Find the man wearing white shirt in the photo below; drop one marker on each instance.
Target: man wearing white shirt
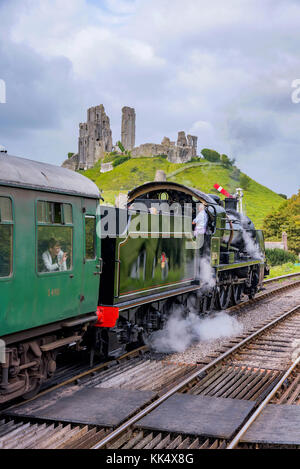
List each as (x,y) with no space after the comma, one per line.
(200,221)
(54,258)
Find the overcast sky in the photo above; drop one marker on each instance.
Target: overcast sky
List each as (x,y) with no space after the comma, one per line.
(221,70)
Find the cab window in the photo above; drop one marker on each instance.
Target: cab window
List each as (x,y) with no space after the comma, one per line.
(6,236)
(54,236)
(90,237)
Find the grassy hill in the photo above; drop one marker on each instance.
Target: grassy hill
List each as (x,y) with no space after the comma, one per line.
(258,200)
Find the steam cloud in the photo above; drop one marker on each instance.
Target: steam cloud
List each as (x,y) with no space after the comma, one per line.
(180,332)
(251,247)
(206,273)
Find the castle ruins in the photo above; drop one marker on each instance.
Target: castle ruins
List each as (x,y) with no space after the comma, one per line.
(95,140)
(128,128)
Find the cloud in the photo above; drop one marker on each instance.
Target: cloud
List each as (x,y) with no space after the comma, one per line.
(220,70)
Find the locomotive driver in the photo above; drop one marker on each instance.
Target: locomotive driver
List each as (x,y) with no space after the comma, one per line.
(200,221)
(54,258)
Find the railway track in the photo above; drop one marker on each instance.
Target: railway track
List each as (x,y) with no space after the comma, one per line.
(225,376)
(248,426)
(215,379)
(281,277)
(67,373)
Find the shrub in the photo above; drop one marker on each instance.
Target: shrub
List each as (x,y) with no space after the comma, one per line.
(227,162)
(210,155)
(120,160)
(70,154)
(279,257)
(195,159)
(121,146)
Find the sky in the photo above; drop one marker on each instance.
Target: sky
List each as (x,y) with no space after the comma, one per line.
(223,71)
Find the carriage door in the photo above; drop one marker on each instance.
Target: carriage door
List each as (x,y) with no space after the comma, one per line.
(91,258)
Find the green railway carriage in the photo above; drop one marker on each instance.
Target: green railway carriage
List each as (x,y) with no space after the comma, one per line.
(41,310)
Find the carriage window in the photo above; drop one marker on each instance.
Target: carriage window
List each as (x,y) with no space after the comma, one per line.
(68,218)
(90,233)
(54,213)
(6,236)
(55,238)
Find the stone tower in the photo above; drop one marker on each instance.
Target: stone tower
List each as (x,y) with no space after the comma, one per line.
(95,137)
(128,128)
(192,142)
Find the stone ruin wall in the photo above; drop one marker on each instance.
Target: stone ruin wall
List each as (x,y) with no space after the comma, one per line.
(183,151)
(95,139)
(128,128)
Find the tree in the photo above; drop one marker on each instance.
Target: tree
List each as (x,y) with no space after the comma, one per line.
(210,155)
(227,162)
(286,218)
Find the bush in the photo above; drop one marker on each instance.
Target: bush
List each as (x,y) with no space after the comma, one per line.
(110,156)
(279,257)
(121,146)
(210,155)
(120,160)
(70,154)
(227,162)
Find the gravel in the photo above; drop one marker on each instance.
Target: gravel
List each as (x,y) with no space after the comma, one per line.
(247,319)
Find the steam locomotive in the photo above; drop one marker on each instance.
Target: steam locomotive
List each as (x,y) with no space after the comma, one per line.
(125,270)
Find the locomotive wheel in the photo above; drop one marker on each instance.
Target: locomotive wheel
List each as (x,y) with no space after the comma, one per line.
(223,296)
(237,291)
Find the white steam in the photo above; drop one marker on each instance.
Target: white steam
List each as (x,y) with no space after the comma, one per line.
(180,332)
(206,273)
(252,248)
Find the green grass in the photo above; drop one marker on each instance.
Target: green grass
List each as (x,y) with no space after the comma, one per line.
(283,269)
(258,200)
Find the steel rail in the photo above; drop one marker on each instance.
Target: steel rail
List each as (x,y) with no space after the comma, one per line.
(144,348)
(187,380)
(81,375)
(263,296)
(281,277)
(258,411)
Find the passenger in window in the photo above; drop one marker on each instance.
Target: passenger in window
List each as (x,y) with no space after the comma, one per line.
(54,258)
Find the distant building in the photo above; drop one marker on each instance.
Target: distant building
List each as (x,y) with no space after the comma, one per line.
(278,244)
